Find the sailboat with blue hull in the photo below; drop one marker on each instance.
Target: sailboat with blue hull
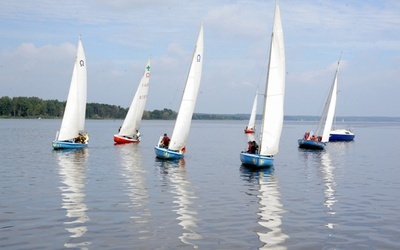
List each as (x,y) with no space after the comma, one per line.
(177,145)
(272,119)
(72,133)
(319,139)
(341,135)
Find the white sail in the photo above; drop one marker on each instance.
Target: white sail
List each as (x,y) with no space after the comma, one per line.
(274,92)
(185,113)
(134,116)
(252,120)
(328,114)
(75,109)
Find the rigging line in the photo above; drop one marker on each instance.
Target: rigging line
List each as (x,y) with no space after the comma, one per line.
(262,73)
(180,87)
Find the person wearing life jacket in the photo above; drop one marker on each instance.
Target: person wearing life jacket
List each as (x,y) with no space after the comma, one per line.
(165,141)
(255,145)
(251,149)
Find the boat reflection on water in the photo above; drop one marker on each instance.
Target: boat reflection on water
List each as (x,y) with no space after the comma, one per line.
(184,195)
(329,180)
(271,207)
(135,185)
(72,174)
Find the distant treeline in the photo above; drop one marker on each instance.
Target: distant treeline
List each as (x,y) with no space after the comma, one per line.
(34,107)
(31,107)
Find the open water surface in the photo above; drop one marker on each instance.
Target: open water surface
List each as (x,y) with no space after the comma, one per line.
(122,197)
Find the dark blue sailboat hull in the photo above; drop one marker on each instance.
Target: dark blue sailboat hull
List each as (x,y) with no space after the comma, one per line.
(341,135)
(310,144)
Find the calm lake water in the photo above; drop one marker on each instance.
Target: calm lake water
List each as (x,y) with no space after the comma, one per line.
(122,197)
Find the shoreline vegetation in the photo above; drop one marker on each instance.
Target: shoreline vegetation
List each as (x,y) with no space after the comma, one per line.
(34,108)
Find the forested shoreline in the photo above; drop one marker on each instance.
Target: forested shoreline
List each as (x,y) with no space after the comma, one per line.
(34,107)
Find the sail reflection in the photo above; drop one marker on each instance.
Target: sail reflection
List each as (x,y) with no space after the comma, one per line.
(330,184)
(270,209)
(72,173)
(184,196)
(134,179)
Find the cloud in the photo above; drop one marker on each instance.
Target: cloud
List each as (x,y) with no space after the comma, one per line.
(37,71)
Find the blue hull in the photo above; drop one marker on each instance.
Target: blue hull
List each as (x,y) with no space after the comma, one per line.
(256,160)
(167,154)
(341,137)
(68,145)
(309,144)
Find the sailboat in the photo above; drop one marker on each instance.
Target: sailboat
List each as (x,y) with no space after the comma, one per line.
(272,119)
(72,133)
(341,134)
(321,136)
(177,145)
(252,121)
(129,131)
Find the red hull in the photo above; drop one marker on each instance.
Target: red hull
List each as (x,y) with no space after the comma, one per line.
(121,140)
(249,131)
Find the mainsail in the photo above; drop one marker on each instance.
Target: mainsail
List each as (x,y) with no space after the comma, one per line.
(326,120)
(252,120)
(185,113)
(274,92)
(134,116)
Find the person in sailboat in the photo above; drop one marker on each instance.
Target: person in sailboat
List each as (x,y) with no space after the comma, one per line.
(255,145)
(251,149)
(83,137)
(137,135)
(247,129)
(164,141)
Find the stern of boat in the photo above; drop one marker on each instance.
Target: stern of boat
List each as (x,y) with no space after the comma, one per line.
(310,144)
(167,154)
(256,160)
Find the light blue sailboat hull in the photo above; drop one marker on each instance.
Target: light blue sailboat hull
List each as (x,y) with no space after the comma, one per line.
(68,145)
(309,144)
(256,160)
(165,153)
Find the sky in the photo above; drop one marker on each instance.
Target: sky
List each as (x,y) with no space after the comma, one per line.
(39,39)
